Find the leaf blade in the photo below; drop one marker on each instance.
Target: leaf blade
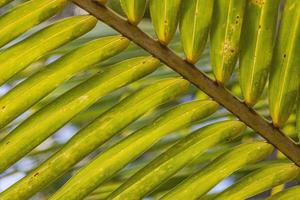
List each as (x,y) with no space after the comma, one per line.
(164,18)
(220,168)
(171,161)
(25,16)
(111,161)
(46,121)
(285,74)
(134,10)
(260,180)
(290,194)
(225,36)
(88,138)
(19,56)
(194,24)
(42,83)
(257,47)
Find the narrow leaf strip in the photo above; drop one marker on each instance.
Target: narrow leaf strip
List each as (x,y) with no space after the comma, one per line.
(225,36)
(277,189)
(19,56)
(115,158)
(164,15)
(285,73)
(298,115)
(95,134)
(25,16)
(177,157)
(200,183)
(42,83)
(260,181)
(53,116)
(194,25)
(289,194)
(4,2)
(257,47)
(134,9)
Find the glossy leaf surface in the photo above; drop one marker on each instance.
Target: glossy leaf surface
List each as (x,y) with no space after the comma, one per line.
(285,73)
(115,158)
(257,47)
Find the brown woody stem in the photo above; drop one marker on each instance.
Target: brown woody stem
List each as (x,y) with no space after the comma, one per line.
(188,71)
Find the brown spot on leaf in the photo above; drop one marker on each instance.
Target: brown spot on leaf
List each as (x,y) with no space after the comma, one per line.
(258,2)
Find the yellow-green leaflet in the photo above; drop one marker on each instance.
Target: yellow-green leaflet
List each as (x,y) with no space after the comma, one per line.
(164,16)
(289,194)
(225,35)
(53,116)
(88,139)
(257,42)
(115,158)
(200,183)
(134,9)
(4,2)
(259,181)
(285,73)
(298,115)
(19,56)
(194,23)
(186,150)
(25,16)
(16,101)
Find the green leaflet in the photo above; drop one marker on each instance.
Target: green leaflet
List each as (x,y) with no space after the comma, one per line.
(95,134)
(257,47)
(134,9)
(198,184)
(105,189)
(25,16)
(53,116)
(115,158)
(175,158)
(19,56)
(285,73)
(259,181)
(289,194)
(225,35)
(298,116)
(42,83)
(277,188)
(164,15)
(194,25)
(4,2)
(101,196)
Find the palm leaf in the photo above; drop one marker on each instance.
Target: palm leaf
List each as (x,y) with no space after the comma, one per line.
(98,118)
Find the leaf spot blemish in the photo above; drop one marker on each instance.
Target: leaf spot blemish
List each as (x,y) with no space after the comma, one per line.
(258,2)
